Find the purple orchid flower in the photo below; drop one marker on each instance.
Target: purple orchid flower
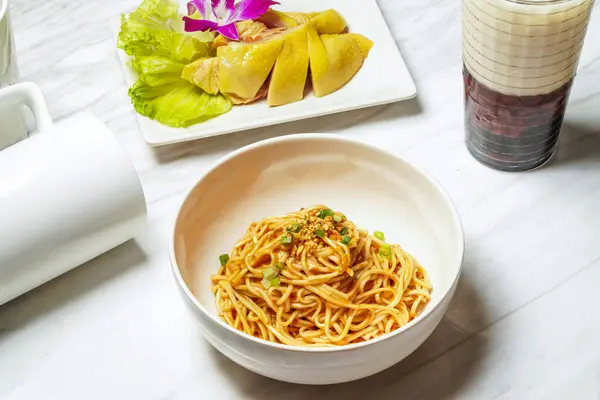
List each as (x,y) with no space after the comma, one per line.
(221,15)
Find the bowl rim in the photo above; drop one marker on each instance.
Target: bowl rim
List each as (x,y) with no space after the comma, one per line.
(460,243)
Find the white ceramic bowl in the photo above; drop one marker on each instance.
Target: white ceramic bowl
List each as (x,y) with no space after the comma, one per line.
(377,190)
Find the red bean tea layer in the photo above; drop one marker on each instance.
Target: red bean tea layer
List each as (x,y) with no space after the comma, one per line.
(513,133)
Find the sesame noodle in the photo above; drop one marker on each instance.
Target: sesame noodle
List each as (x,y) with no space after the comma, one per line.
(312,278)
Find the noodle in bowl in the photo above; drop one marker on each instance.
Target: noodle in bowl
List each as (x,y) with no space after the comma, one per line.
(312,278)
(318,316)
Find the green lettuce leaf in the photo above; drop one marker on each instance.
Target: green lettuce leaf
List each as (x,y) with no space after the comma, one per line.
(177,105)
(154,37)
(161,94)
(156,71)
(155,28)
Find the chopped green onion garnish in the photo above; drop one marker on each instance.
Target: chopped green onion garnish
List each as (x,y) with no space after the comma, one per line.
(385,251)
(379,235)
(337,218)
(344,231)
(270,273)
(266,283)
(325,213)
(224,258)
(275,282)
(346,240)
(279,265)
(296,227)
(319,233)
(287,239)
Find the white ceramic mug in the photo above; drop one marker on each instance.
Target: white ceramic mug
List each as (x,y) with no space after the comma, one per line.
(67,195)
(12,122)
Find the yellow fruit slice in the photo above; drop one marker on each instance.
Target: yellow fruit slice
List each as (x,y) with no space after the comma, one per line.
(326,22)
(363,43)
(203,73)
(301,18)
(244,68)
(329,22)
(291,69)
(334,60)
(278,19)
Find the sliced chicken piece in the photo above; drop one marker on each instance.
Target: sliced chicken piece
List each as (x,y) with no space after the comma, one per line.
(248,30)
(262,93)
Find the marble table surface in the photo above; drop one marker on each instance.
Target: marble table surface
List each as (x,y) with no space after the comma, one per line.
(524,323)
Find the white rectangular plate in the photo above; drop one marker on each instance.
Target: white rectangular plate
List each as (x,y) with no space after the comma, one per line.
(383,79)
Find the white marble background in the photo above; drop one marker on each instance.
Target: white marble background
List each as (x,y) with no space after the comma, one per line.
(524,323)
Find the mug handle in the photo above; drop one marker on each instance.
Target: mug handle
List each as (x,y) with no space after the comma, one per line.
(30,95)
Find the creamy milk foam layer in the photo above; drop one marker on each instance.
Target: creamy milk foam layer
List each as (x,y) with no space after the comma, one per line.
(523,48)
